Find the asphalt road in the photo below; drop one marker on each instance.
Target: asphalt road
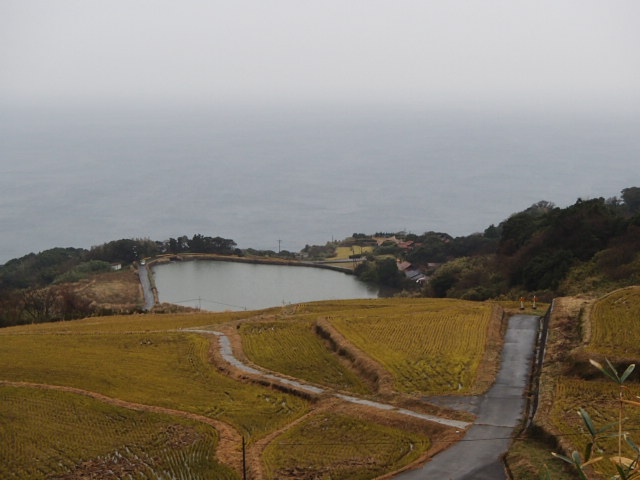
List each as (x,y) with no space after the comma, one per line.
(149,300)
(478,456)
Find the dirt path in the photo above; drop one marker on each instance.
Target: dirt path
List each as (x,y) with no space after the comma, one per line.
(228,451)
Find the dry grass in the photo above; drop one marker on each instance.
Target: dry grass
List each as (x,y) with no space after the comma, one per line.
(343,253)
(113,289)
(600,399)
(430,346)
(512,307)
(52,434)
(293,348)
(613,324)
(529,458)
(165,369)
(336,445)
(569,383)
(147,360)
(126,323)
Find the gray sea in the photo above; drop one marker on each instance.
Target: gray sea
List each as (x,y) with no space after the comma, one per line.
(293,176)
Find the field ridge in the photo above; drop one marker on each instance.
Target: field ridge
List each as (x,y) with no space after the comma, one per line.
(173,364)
(443,420)
(362,363)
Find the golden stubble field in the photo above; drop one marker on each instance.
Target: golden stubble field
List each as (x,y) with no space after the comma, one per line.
(141,397)
(581,329)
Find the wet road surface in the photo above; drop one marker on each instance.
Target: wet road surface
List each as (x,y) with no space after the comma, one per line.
(478,456)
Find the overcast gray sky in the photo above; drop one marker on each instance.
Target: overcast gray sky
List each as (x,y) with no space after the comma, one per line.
(570,52)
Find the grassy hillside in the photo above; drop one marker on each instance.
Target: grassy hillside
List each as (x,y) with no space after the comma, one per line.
(613,327)
(165,369)
(50,433)
(292,455)
(591,246)
(582,329)
(292,347)
(430,346)
(173,408)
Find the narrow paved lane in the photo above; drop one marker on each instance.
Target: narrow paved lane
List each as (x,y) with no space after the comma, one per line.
(227,354)
(149,300)
(478,456)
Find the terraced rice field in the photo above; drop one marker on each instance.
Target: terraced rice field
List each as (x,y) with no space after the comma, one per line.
(432,346)
(165,369)
(147,362)
(49,434)
(293,348)
(614,324)
(364,450)
(580,330)
(126,323)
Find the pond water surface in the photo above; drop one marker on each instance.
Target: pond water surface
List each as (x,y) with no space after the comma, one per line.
(220,285)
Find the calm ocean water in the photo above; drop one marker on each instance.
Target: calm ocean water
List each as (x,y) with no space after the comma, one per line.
(80,178)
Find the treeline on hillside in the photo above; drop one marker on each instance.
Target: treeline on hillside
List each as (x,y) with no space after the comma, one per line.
(592,245)
(32,288)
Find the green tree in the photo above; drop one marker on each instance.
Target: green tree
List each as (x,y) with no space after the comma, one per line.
(547,270)
(631,198)
(517,231)
(388,273)
(441,283)
(383,271)
(432,248)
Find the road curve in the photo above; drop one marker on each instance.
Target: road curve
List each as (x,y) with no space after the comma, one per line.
(227,354)
(478,456)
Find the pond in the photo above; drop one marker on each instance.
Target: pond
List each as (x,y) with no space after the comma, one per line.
(220,285)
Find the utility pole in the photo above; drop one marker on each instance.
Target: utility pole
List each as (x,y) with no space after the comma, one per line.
(279,245)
